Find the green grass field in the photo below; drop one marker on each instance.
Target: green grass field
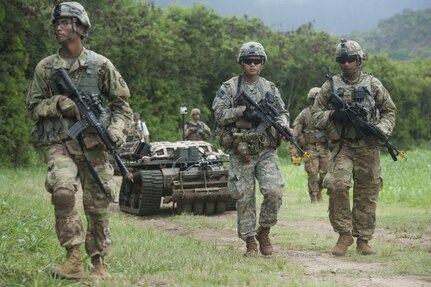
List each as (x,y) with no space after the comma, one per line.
(204,251)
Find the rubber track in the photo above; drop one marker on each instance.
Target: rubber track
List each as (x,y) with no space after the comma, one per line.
(151,191)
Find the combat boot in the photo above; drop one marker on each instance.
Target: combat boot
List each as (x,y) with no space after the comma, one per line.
(98,270)
(344,241)
(251,247)
(265,246)
(72,267)
(363,248)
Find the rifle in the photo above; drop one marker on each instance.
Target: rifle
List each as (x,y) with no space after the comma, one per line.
(357,117)
(195,127)
(90,110)
(268,115)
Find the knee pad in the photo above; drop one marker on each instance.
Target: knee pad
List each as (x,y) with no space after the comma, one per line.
(63,198)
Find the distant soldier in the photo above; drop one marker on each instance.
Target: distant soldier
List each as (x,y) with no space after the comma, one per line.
(196,130)
(352,157)
(252,156)
(315,142)
(138,129)
(83,161)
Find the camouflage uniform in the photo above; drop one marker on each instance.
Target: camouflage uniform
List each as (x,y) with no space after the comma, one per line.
(196,131)
(354,159)
(260,160)
(67,168)
(315,142)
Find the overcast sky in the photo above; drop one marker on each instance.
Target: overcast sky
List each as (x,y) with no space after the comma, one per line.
(337,17)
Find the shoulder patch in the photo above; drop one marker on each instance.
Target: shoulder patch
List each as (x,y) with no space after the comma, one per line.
(221,93)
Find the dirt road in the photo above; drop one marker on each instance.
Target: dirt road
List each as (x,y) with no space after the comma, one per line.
(318,267)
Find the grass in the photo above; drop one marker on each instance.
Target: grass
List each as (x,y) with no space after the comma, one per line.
(150,257)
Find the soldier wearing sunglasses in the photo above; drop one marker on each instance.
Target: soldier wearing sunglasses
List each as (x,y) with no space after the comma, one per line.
(352,157)
(252,156)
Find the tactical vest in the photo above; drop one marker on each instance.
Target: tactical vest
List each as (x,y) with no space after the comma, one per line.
(242,132)
(310,134)
(358,95)
(50,130)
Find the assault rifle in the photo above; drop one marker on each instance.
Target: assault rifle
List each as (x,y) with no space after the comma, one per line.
(357,116)
(90,110)
(268,115)
(195,127)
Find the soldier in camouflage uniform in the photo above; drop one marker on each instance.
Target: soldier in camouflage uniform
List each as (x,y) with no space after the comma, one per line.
(351,157)
(251,156)
(54,114)
(315,142)
(196,130)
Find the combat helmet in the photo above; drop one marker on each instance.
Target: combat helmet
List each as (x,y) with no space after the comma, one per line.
(347,48)
(196,111)
(71,9)
(312,94)
(252,49)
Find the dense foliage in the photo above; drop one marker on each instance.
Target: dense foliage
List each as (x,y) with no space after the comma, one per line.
(182,55)
(404,36)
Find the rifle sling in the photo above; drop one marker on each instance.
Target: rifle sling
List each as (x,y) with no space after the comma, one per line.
(90,167)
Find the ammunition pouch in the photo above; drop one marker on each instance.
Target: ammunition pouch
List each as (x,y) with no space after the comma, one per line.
(247,143)
(242,123)
(225,137)
(315,137)
(50,130)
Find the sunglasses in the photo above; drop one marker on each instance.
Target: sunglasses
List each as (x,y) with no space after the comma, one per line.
(349,59)
(252,61)
(62,23)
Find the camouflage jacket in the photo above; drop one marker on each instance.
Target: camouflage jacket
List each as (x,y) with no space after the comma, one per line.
(384,116)
(196,131)
(42,98)
(305,133)
(224,106)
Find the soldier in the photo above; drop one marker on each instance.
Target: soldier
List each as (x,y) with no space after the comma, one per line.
(138,129)
(196,130)
(315,142)
(351,156)
(69,160)
(251,156)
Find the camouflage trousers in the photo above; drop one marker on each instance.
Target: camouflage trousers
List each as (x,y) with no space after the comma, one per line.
(67,172)
(316,167)
(361,163)
(265,168)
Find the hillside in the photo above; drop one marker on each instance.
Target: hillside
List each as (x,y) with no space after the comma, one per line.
(404,36)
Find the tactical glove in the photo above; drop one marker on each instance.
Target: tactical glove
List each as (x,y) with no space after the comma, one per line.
(340,116)
(68,107)
(117,136)
(251,115)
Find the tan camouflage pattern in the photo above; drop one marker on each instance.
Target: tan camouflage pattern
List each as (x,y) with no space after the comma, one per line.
(225,110)
(250,49)
(315,142)
(193,133)
(357,161)
(67,169)
(42,102)
(71,9)
(260,162)
(352,48)
(265,167)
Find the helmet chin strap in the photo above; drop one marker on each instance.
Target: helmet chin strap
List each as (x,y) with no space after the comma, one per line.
(74,30)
